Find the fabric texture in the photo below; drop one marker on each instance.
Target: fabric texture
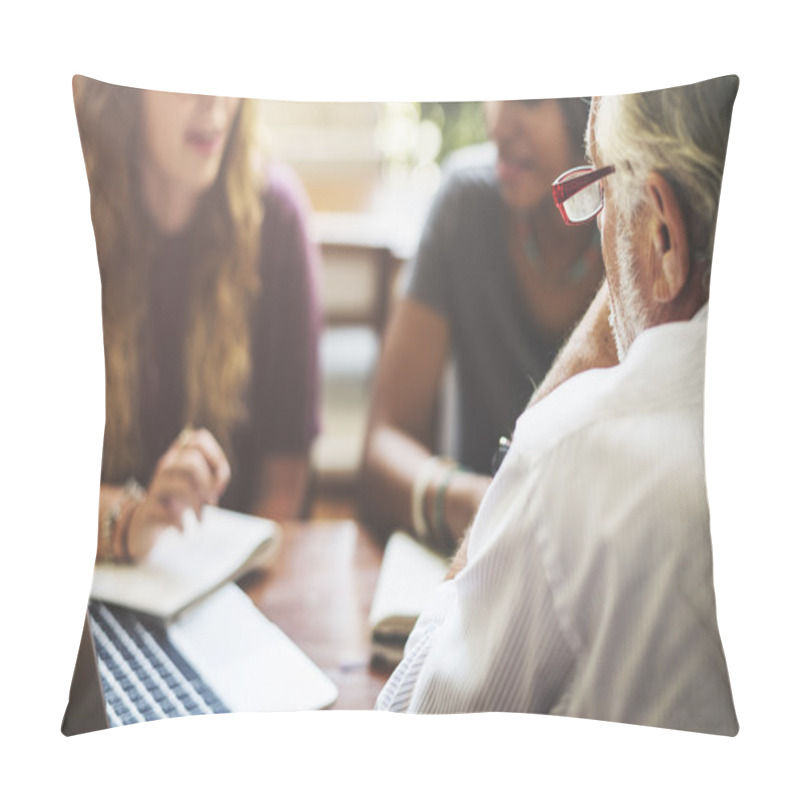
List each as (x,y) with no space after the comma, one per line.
(464,271)
(282,400)
(589,590)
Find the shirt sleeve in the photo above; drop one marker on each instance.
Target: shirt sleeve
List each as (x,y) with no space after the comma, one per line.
(286,373)
(493,639)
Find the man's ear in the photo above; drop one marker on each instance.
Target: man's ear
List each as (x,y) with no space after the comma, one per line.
(670,242)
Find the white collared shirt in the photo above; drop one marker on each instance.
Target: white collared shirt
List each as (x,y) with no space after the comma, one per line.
(588,590)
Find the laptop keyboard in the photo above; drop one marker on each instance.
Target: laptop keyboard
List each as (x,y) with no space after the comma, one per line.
(143,676)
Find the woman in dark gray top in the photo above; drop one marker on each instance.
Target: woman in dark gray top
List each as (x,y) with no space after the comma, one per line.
(497,284)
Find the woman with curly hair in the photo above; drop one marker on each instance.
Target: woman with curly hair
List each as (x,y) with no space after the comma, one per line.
(210,313)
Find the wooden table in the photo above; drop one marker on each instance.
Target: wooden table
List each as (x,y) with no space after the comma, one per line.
(319,592)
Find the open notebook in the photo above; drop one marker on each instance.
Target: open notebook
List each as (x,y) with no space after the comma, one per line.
(184,567)
(409,576)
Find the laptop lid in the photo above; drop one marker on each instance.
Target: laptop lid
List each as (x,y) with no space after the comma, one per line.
(245,659)
(86,710)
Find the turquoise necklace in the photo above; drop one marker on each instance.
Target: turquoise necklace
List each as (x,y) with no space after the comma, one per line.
(577,271)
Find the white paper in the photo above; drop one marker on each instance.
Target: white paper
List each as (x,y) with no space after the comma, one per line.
(184,566)
(409,576)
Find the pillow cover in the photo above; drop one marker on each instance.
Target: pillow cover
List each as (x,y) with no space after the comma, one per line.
(586,587)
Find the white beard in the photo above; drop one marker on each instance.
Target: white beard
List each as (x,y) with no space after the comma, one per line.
(627,316)
(612,321)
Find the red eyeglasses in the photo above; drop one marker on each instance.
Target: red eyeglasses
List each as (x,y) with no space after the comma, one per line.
(578,194)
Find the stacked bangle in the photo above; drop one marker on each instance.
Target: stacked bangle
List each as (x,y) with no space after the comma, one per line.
(107,528)
(422,481)
(436,471)
(441,531)
(121,511)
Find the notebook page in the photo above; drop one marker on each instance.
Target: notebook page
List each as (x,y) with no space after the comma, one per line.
(184,566)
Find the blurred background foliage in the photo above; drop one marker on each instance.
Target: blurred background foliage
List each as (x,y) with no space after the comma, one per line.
(415,138)
(353,155)
(461,124)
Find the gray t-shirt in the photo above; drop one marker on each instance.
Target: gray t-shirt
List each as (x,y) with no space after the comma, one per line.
(464,271)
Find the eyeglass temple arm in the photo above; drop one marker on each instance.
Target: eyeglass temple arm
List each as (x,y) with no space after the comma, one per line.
(571,186)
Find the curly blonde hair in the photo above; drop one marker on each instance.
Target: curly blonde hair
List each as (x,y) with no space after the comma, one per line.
(225,233)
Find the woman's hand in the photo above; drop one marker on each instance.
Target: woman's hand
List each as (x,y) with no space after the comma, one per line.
(192,473)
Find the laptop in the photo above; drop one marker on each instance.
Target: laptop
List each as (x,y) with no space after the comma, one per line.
(221,655)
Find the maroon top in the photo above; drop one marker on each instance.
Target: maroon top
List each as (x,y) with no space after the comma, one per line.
(283,396)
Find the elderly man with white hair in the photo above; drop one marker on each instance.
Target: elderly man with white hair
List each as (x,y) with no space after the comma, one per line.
(585,586)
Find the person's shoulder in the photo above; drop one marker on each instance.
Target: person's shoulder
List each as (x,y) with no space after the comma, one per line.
(661,376)
(285,227)
(601,476)
(471,157)
(471,169)
(599,430)
(469,190)
(570,409)
(611,432)
(282,190)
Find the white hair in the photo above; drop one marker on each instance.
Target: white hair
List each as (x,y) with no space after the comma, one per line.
(681,133)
